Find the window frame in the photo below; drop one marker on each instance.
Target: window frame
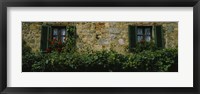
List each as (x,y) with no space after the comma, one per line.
(155,30)
(59,35)
(143,31)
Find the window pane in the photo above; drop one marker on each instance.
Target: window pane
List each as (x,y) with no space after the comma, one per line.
(139,38)
(139,31)
(63,39)
(147,38)
(147,31)
(55,31)
(63,31)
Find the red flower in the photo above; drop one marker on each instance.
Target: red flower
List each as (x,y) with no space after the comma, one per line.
(59,43)
(52,42)
(48,50)
(142,41)
(54,39)
(59,49)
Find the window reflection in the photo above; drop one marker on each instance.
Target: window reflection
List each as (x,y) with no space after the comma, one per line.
(55,31)
(148,38)
(147,31)
(139,38)
(143,33)
(139,31)
(63,39)
(63,31)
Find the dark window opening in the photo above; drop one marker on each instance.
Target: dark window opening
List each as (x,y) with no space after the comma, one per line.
(139,33)
(60,33)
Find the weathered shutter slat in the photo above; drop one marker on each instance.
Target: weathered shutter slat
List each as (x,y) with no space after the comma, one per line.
(50,33)
(44,38)
(159,36)
(132,37)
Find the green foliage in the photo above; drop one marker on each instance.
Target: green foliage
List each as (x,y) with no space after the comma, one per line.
(25,48)
(55,45)
(71,39)
(62,57)
(161,60)
(164,60)
(28,58)
(67,46)
(144,46)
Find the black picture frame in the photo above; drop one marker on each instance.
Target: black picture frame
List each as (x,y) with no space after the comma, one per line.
(101,3)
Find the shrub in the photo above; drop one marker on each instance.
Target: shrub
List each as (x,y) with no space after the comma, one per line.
(146,59)
(158,61)
(102,61)
(55,45)
(29,58)
(144,46)
(25,49)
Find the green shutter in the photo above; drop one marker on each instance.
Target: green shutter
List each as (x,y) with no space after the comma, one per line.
(50,33)
(132,37)
(159,36)
(45,35)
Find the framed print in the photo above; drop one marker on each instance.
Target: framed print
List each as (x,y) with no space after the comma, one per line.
(129,46)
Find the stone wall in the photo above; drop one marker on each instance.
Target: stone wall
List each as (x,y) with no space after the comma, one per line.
(99,35)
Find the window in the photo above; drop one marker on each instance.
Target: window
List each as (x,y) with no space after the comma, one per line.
(138,33)
(144,33)
(55,32)
(59,33)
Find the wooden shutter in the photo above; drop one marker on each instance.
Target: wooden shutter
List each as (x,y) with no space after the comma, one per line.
(50,34)
(159,36)
(45,35)
(132,37)
(67,31)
